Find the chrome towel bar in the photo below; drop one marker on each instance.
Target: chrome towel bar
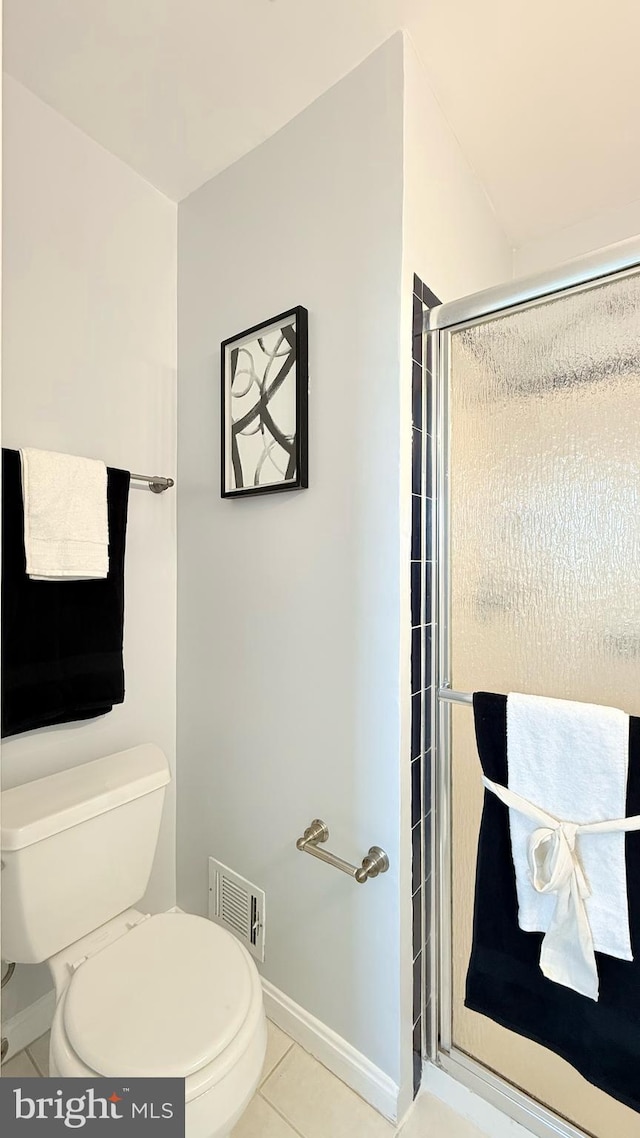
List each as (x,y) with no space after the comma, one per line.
(156,482)
(450,695)
(375,862)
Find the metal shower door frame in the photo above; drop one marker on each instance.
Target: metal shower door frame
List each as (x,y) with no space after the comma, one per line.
(439,325)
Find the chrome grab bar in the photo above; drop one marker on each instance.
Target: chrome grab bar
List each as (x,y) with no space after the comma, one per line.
(373,863)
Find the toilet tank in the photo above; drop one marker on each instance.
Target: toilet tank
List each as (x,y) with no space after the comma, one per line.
(77,849)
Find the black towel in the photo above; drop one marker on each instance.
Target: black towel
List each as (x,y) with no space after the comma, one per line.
(504,982)
(61,640)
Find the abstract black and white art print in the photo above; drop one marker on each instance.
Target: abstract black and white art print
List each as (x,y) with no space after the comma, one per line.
(264,407)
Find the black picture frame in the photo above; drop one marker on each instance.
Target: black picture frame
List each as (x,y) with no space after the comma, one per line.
(241,468)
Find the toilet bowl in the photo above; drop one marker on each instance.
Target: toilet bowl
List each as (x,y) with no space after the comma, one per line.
(170,995)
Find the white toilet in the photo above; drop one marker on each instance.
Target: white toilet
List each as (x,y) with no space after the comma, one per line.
(136,995)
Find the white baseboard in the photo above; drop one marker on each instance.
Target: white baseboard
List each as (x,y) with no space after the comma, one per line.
(28,1025)
(469,1105)
(330,1049)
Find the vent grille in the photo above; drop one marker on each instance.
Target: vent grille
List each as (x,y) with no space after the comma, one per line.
(238,906)
(235,906)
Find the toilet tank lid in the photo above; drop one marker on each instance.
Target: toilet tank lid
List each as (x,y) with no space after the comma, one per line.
(46,806)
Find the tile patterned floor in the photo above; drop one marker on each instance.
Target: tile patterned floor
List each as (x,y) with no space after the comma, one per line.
(299,1098)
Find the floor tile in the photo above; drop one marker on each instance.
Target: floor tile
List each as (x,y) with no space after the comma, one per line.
(431,1118)
(39,1052)
(317,1104)
(277,1046)
(261,1121)
(20,1067)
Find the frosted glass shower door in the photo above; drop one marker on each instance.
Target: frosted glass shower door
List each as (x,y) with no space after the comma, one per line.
(544,413)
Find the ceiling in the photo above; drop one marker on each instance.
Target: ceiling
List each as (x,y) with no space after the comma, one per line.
(544,98)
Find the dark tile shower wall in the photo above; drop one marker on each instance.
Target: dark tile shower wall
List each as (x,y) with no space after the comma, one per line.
(421,576)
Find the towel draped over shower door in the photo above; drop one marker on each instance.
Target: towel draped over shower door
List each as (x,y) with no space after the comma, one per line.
(504,981)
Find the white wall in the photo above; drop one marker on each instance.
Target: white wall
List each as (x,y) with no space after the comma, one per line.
(89,367)
(293,685)
(452,237)
(288,648)
(565,244)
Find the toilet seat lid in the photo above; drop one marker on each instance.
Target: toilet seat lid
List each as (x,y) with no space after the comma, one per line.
(167,998)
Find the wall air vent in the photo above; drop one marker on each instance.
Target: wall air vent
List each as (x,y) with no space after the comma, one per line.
(238,906)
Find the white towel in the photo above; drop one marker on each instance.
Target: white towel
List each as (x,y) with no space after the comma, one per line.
(567,951)
(66,531)
(571,760)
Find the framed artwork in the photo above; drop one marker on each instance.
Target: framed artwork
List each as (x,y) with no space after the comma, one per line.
(265,379)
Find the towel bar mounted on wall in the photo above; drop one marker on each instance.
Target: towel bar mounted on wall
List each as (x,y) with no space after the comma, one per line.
(375,862)
(156,482)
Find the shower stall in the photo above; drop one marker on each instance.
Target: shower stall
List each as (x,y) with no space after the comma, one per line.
(536,534)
